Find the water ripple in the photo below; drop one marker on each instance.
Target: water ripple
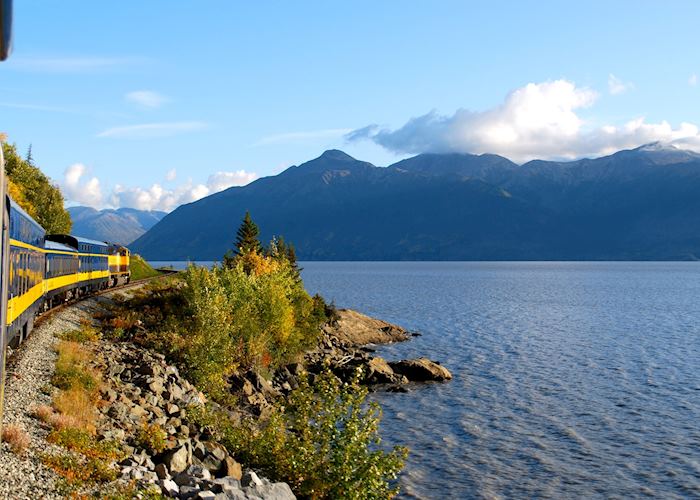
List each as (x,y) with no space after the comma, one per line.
(570,379)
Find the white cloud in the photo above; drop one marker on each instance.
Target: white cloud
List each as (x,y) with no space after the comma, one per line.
(296,137)
(146,98)
(617,86)
(171,175)
(539,120)
(224,180)
(151,130)
(157,197)
(693,80)
(79,189)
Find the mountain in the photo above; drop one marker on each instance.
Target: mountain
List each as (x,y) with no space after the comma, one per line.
(122,225)
(638,204)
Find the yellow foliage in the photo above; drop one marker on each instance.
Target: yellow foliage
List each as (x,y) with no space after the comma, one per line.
(257,264)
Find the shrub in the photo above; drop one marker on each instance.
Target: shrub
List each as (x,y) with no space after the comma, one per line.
(151,437)
(324,443)
(44,413)
(215,322)
(16,438)
(86,333)
(77,470)
(81,441)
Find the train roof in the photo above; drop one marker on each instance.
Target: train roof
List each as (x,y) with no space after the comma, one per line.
(80,239)
(54,245)
(22,212)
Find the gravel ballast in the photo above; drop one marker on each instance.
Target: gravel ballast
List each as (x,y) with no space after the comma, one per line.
(26,387)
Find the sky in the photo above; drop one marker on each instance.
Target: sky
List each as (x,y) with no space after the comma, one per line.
(153,104)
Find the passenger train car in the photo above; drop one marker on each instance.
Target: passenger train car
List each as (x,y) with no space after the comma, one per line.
(48,269)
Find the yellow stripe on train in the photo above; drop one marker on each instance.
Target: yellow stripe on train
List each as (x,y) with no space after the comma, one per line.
(17,305)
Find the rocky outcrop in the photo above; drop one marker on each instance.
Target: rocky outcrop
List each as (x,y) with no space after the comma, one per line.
(355,329)
(421,370)
(140,390)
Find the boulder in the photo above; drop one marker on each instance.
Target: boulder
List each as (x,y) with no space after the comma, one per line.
(355,328)
(380,372)
(177,460)
(273,491)
(421,370)
(169,487)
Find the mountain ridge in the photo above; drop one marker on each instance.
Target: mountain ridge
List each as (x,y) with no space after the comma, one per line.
(455,207)
(121,225)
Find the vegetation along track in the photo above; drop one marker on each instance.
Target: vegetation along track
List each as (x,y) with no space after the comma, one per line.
(23,475)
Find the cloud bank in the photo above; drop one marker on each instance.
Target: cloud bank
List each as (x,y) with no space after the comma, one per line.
(80,188)
(539,120)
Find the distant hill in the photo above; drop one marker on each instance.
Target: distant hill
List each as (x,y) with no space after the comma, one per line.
(639,204)
(122,225)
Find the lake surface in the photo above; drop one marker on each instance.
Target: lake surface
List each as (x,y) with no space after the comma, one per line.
(570,379)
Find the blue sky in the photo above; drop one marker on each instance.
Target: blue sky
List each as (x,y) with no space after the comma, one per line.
(152,104)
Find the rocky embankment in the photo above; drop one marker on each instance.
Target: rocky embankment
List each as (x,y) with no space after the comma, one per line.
(143,390)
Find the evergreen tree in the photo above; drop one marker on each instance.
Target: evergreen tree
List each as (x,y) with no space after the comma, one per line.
(29,159)
(247,237)
(292,258)
(246,242)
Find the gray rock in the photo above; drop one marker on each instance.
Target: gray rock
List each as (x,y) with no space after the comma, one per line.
(206,495)
(177,461)
(216,450)
(189,491)
(273,491)
(250,478)
(169,487)
(199,472)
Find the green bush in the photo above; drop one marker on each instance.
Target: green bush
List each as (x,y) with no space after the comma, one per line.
(152,438)
(215,322)
(324,442)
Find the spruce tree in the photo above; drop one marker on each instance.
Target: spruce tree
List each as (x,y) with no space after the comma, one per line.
(247,237)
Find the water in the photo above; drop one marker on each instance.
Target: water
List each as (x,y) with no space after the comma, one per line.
(570,379)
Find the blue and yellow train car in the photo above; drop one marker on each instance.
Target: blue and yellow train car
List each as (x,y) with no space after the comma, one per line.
(93,265)
(26,273)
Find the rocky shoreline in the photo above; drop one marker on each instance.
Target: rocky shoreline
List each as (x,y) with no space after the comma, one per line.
(141,391)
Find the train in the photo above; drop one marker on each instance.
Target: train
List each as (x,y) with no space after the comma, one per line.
(49,269)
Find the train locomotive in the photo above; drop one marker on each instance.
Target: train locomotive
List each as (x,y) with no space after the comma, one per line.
(49,269)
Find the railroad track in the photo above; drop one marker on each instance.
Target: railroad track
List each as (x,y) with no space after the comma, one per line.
(41,318)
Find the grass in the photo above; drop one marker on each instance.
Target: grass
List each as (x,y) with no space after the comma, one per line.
(73,414)
(86,333)
(141,269)
(16,438)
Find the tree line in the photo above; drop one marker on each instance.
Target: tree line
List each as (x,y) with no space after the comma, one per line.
(34,191)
